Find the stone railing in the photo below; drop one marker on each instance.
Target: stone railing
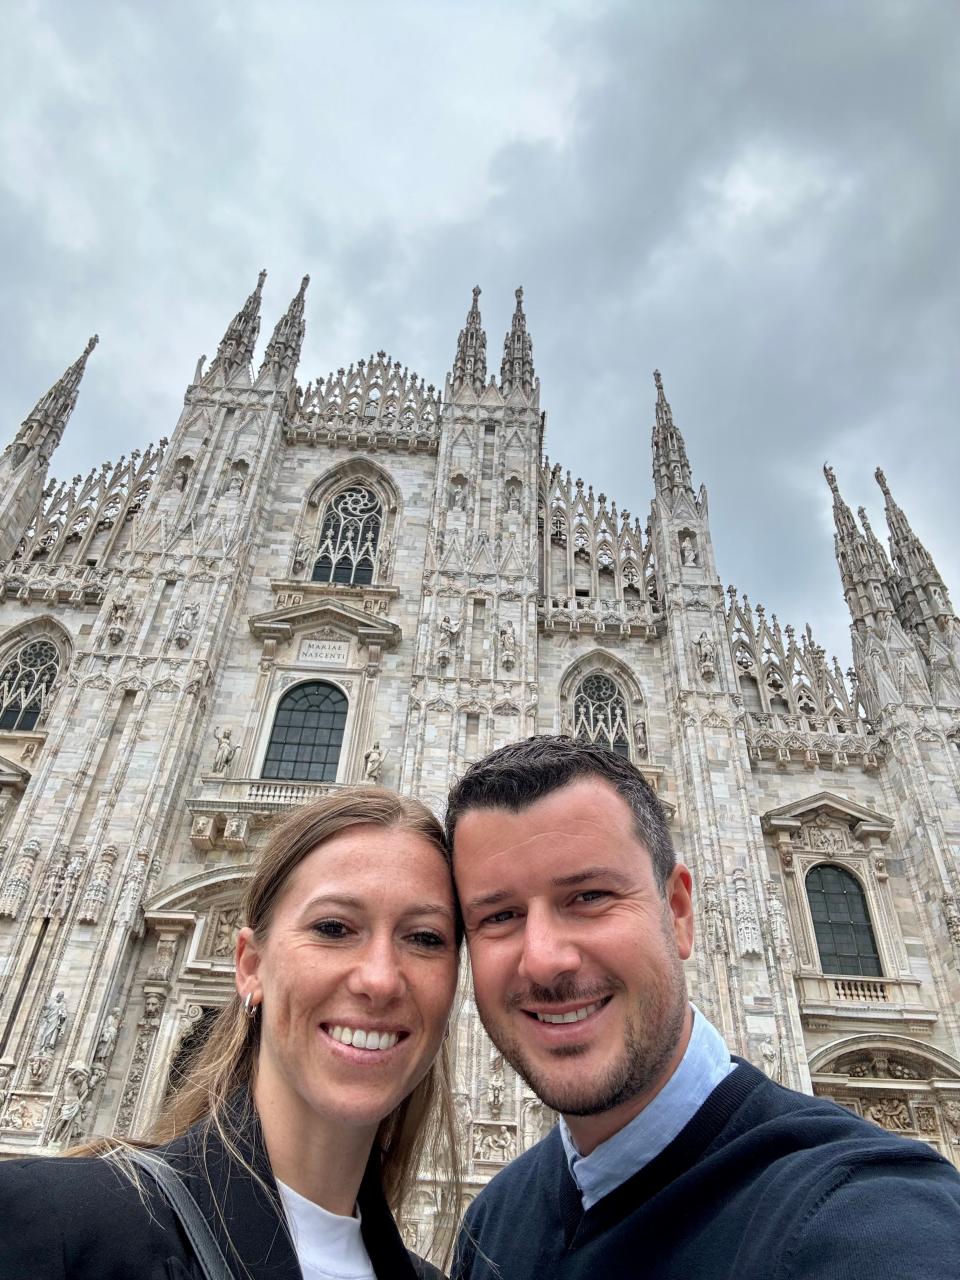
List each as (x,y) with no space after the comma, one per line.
(590,613)
(829,998)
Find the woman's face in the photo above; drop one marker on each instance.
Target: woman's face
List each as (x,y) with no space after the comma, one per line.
(354,979)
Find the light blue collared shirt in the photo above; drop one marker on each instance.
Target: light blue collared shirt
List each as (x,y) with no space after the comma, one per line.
(705,1062)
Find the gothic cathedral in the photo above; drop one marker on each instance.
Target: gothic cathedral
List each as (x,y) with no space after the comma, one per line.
(370,580)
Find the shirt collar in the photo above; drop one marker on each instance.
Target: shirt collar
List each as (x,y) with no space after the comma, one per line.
(705,1062)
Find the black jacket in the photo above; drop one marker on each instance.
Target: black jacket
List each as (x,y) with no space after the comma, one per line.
(83,1219)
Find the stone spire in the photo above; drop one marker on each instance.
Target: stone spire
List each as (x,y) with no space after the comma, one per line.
(671,469)
(470,366)
(236,348)
(43,427)
(864,568)
(919,584)
(516,368)
(283,349)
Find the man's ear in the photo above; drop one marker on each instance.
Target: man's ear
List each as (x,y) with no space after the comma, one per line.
(679,895)
(247,964)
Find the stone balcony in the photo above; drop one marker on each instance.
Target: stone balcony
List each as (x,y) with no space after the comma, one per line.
(230,808)
(828,1001)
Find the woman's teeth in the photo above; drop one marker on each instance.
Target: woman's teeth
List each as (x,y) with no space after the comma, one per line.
(364,1039)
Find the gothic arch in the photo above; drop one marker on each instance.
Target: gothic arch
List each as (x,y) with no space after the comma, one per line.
(34,657)
(385,511)
(943,1066)
(599,662)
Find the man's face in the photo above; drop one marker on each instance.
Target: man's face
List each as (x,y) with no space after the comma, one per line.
(565,921)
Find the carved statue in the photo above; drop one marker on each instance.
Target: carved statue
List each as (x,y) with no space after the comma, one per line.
(458,497)
(496,1084)
(706,656)
(771,1059)
(52,1019)
(186,625)
(229,924)
(373,763)
(508,645)
(688,551)
(513,500)
(225,752)
(777,916)
(236,484)
(69,1122)
(449,631)
(640,738)
(119,613)
(890,1113)
(107,1040)
(5,1069)
(180,476)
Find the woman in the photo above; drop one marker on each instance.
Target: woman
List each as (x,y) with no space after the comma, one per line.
(303,1120)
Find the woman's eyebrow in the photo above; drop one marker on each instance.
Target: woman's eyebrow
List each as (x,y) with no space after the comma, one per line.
(357,904)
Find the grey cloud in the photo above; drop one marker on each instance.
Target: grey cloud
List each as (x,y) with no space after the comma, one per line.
(758,199)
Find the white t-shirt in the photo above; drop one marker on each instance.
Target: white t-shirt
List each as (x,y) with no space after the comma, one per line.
(329,1246)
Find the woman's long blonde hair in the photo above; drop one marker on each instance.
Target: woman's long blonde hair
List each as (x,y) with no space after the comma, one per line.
(422,1130)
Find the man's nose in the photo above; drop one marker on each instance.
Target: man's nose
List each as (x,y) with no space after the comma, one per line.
(549,951)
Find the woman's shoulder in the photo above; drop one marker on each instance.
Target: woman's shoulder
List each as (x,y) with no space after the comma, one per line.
(54,1208)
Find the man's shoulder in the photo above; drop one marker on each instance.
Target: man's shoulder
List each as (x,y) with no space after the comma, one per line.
(787,1122)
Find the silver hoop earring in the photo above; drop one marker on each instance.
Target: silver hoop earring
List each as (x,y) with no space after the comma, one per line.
(249,1008)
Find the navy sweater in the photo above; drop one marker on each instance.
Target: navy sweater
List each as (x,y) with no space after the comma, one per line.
(762,1184)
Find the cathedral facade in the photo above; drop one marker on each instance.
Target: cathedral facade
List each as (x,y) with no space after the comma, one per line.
(369,579)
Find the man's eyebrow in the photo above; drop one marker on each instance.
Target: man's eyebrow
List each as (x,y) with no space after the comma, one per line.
(590,873)
(610,874)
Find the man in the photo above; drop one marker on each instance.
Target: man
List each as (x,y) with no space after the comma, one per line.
(670,1158)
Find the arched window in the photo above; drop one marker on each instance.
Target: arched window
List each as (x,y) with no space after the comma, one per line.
(25,683)
(841,922)
(349,537)
(600,714)
(307,734)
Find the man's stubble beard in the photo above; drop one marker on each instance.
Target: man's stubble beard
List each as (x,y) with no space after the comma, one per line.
(653,1030)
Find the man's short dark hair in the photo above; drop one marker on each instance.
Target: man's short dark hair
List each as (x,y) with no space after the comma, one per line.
(517,775)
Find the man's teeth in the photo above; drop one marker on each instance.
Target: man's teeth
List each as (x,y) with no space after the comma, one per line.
(575,1015)
(364,1039)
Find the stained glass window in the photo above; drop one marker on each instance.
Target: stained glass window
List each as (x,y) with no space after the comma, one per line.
(25,683)
(600,714)
(349,537)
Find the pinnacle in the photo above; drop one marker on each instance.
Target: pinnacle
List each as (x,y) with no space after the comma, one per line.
(831,477)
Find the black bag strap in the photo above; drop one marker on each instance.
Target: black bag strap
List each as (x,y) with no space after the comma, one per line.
(173,1189)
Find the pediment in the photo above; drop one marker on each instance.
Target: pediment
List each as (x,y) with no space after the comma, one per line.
(13,774)
(284,624)
(830,807)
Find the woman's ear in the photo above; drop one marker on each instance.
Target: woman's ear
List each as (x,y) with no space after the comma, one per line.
(247,963)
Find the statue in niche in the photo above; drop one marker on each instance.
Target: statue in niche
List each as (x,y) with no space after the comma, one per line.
(771,1059)
(52,1019)
(688,551)
(186,625)
(513,500)
(449,631)
(5,1069)
(373,763)
(458,496)
(181,475)
(508,645)
(495,1084)
(119,617)
(229,924)
(69,1122)
(225,752)
(107,1040)
(640,738)
(235,487)
(706,656)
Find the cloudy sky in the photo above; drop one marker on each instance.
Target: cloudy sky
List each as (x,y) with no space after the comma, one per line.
(759,198)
